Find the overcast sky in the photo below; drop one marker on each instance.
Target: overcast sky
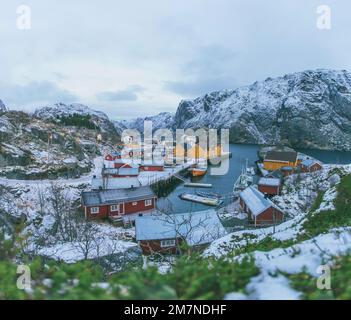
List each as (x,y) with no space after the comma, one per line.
(135,57)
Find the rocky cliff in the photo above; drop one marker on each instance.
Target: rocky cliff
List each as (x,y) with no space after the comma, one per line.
(310,109)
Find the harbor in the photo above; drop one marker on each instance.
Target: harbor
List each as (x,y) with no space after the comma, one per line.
(192,187)
(242,156)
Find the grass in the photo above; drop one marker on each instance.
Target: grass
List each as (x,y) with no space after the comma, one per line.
(267,244)
(322,222)
(340,282)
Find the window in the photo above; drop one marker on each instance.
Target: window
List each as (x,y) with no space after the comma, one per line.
(94,210)
(134,203)
(167,243)
(114,207)
(148,203)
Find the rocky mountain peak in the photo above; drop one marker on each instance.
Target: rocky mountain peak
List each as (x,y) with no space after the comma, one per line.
(310,109)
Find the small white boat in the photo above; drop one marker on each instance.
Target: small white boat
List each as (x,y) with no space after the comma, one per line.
(199,199)
(197,185)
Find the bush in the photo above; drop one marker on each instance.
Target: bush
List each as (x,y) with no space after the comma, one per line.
(340,217)
(192,278)
(340,282)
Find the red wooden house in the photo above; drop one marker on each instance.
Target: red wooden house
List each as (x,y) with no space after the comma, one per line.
(259,208)
(113,156)
(165,233)
(151,167)
(118,163)
(125,171)
(287,171)
(270,186)
(118,203)
(311,165)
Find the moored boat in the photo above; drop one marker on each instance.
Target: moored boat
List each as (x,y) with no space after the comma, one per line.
(198,172)
(209,194)
(199,199)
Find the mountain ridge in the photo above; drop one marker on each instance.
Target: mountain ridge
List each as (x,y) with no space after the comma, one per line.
(307,109)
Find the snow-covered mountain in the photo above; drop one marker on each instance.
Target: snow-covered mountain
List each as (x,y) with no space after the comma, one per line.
(163,120)
(310,109)
(60,111)
(55,141)
(2,106)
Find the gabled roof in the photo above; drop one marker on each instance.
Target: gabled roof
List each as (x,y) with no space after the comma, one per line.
(256,201)
(106,197)
(282,156)
(123,171)
(197,227)
(310,162)
(269,182)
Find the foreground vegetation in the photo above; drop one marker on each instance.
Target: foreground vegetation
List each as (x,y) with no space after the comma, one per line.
(340,282)
(193,277)
(324,221)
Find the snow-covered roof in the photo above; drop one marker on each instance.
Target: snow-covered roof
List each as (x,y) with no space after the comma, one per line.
(101,197)
(123,171)
(309,162)
(269,182)
(197,227)
(256,201)
(114,183)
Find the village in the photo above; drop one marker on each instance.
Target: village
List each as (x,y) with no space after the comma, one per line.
(126,195)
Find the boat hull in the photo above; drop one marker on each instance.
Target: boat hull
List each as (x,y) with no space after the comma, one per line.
(203,200)
(195,172)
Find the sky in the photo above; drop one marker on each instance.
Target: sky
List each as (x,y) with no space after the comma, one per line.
(136,58)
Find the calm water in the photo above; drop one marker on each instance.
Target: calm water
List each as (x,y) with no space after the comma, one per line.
(223,184)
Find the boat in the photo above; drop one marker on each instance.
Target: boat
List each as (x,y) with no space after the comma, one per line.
(250,171)
(213,195)
(197,185)
(245,179)
(204,200)
(198,172)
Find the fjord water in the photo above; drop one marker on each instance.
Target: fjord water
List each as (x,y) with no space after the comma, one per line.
(223,184)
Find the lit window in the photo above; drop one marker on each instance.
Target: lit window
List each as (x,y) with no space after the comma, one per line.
(114,207)
(148,202)
(168,243)
(94,210)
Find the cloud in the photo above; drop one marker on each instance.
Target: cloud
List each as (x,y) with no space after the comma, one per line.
(128,94)
(211,69)
(44,92)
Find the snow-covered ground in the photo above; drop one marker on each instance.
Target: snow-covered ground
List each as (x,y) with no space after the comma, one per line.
(98,163)
(306,256)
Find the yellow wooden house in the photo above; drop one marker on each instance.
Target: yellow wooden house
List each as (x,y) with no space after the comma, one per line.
(275,160)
